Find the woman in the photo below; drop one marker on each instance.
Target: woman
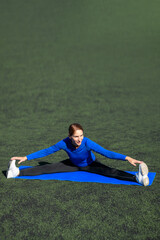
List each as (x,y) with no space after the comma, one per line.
(81,158)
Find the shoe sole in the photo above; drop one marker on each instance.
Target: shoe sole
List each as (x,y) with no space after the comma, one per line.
(144,169)
(8,170)
(8,174)
(146,181)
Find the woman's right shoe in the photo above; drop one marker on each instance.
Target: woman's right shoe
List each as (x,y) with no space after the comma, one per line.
(12,171)
(142,175)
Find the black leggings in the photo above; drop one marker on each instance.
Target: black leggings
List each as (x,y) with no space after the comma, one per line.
(68,166)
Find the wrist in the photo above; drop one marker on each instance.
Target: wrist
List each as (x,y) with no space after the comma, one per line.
(127,158)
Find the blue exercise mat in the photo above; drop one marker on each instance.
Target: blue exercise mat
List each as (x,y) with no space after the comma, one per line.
(81,176)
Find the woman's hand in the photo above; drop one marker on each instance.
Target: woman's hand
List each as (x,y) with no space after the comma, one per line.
(133,161)
(21,159)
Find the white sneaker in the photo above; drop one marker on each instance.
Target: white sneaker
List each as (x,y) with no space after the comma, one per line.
(142,175)
(12,171)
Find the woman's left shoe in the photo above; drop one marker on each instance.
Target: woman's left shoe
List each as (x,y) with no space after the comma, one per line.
(142,175)
(12,171)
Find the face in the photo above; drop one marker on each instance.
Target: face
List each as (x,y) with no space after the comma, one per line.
(77,138)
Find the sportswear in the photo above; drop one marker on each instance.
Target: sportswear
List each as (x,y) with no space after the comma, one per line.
(142,175)
(12,171)
(82,156)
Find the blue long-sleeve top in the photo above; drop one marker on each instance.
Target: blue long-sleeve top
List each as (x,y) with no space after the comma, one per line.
(81,156)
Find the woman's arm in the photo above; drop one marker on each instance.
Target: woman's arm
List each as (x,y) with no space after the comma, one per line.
(38,154)
(109,154)
(42,153)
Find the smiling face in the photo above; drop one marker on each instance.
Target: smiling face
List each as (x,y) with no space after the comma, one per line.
(77,138)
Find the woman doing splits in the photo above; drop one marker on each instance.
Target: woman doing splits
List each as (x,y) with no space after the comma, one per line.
(81,158)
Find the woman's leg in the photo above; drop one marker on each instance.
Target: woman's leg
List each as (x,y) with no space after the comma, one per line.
(63,166)
(99,168)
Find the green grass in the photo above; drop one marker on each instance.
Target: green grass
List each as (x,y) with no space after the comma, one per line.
(92,62)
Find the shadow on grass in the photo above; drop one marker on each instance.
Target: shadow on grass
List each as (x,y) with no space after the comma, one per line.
(4,173)
(43,163)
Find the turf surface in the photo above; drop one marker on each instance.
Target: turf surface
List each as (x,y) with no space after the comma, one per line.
(92,62)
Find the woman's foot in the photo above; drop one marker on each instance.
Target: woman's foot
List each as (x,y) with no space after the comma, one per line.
(12,171)
(142,175)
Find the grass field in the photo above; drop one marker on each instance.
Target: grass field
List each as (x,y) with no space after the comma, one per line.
(97,63)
